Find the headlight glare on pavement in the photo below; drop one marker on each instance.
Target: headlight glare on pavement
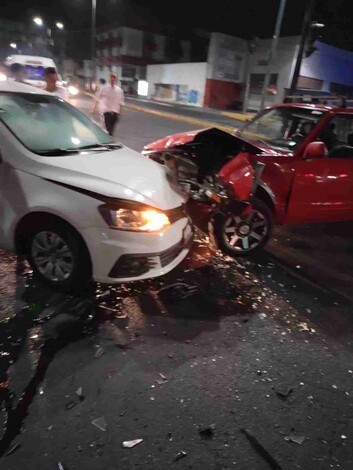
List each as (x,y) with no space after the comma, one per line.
(73,90)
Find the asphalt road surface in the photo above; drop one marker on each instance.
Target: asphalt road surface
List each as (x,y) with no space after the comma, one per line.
(221,364)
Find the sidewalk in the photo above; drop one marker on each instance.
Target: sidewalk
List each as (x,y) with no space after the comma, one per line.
(238,116)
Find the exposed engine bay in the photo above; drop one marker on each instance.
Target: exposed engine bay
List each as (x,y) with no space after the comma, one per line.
(195,165)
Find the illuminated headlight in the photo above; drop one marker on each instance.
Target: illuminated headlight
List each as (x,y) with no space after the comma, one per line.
(149,220)
(2,77)
(73,90)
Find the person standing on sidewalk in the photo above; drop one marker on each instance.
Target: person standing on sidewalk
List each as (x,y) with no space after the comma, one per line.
(110,100)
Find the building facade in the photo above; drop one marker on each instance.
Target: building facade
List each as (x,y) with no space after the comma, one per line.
(216,82)
(127,51)
(224,66)
(280,70)
(181,83)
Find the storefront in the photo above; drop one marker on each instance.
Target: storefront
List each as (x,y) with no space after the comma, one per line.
(178,83)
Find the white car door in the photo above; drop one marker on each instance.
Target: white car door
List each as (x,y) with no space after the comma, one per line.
(10,195)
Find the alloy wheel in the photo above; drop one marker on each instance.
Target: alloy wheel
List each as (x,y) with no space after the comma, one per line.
(244,234)
(52,256)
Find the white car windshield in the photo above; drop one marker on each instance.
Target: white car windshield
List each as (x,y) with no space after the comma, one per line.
(48,125)
(282,127)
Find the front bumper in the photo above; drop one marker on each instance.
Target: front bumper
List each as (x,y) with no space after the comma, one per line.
(119,256)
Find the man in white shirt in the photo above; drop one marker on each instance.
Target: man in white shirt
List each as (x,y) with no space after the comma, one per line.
(110,99)
(51,79)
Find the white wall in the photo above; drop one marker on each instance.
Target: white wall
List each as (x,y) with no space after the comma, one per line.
(191,75)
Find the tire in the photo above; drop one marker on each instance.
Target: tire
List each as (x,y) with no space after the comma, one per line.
(250,233)
(58,255)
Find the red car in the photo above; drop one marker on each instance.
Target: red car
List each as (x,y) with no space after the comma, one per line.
(307,176)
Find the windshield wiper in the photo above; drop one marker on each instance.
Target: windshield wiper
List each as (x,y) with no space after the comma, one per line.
(57,152)
(75,150)
(113,145)
(108,146)
(92,147)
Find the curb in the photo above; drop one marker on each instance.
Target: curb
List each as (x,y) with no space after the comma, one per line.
(175,117)
(237,116)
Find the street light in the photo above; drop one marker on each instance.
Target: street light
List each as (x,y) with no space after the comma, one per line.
(13,45)
(316,24)
(38,21)
(93,39)
(313,36)
(59,26)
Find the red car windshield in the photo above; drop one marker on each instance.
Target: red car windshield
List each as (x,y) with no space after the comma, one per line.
(283,127)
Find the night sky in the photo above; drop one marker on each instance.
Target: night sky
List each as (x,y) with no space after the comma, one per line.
(245,18)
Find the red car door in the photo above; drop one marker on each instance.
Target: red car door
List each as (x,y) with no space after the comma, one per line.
(322,191)
(322,188)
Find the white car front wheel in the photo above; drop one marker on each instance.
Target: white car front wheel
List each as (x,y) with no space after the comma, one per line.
(58,255)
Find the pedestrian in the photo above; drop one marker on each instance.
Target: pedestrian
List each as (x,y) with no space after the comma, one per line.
(110,100)
(18,72)
(102,83)
(51,78)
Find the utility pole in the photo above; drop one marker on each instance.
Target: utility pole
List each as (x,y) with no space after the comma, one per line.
(251,46)
(93,40)
(304,33)
(273,51)
(62,54)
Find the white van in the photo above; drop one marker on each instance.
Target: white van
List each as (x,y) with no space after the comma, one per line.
(35,66)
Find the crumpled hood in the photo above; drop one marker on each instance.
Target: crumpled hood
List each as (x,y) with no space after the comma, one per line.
(213,134)
(173,140)
(122,173)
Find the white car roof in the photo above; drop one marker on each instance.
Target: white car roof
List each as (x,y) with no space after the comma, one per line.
(29,60)
(17,87)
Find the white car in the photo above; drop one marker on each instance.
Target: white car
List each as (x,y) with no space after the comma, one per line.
(79,204)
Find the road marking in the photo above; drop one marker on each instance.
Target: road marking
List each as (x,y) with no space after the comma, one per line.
(237,116)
